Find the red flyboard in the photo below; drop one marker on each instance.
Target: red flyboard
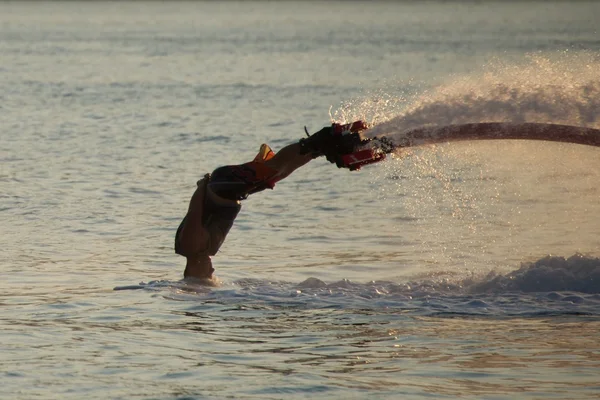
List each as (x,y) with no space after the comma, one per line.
(356,160)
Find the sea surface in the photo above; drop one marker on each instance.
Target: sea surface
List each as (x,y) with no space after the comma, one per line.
(468,270)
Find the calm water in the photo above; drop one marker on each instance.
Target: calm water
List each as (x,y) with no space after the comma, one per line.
(468,270)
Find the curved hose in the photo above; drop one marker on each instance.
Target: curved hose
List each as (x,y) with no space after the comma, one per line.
(497,130)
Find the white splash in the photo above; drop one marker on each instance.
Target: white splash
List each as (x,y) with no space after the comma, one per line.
(560,89)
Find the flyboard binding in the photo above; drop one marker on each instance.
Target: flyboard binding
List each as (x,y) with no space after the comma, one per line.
(350,150)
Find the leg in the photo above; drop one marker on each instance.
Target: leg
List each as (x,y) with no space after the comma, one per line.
(287,160)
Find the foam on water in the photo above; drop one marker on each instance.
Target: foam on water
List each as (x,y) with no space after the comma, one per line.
(549,285)
(577,273)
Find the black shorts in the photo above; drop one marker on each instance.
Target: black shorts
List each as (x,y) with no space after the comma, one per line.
(236,182)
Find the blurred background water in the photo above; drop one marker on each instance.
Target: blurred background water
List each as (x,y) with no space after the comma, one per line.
(464,270)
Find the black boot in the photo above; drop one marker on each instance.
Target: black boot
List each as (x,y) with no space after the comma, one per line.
(333,141)
(317,143)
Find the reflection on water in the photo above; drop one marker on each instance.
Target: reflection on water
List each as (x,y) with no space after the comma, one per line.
(267,351)
(390,352)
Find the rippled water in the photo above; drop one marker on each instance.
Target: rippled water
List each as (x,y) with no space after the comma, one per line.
(466,270)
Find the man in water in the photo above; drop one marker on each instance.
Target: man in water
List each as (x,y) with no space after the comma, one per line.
(216,202)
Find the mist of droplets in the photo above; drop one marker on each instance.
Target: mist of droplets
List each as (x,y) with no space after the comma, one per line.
(562,89)
(449,182)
